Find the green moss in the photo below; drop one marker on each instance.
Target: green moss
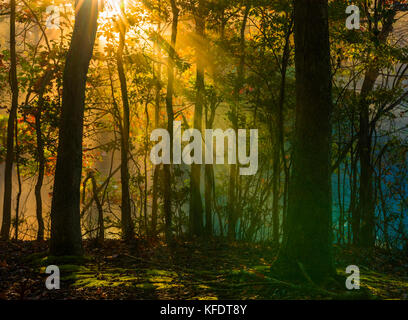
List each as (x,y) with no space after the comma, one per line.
(35,258)
(161,272)
(68,268)
(146,286)
(382,285)
(94,282)
(104,279)
(264,269)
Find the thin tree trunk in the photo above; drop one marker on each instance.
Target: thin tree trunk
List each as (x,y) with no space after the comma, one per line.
(196,206)
(280,144)
(17,219)
(40,157)
(155,198)
(167,194)
(354,204)
(40,179)
(209,178)
(232,193)
(208,192)
(367,207)
(126,218)
(366,174)
(101,229)
(276,192)
(145,170)
(66,238)
(8,171)
(156,170)
(383,204)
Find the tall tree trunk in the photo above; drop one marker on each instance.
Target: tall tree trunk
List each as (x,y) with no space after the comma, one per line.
(8,170)
(279,153)
(366,178)
(40,179)
(155,200)
(208,194)
(66,237)
(276,190)
(367,206)
(101,228)
(145,196)
(196,206)
(209,177)
(40,156)
(307,244)
(170,119)
(354,205)
(383,203)
(126,218)
(156,170)
(232,192)
(20,186)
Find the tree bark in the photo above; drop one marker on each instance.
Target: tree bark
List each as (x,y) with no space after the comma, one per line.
(276,192)
(209,186)
(196,206)
(279,142)
(101,228)
(170,118)
(367,207)
(40,179)
(307,243)
(20,186)
(232,192)
(66,237)
(8,171)
(126,218)
(156,170)
(40,156)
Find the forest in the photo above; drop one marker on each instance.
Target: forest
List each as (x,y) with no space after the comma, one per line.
(204,149)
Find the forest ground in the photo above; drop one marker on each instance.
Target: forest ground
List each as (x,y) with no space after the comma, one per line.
(201,270)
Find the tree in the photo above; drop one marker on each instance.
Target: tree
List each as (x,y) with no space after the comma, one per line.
(157,106)
(170,116)
(307,243)
(126,219)
(366,232)
(66,238)
(239,83)
(196,205)
(40,154)
(8,171)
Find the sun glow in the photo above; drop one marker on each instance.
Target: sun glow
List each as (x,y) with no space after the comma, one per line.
(115,10)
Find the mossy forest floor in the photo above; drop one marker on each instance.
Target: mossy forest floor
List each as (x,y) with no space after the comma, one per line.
(206,270)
